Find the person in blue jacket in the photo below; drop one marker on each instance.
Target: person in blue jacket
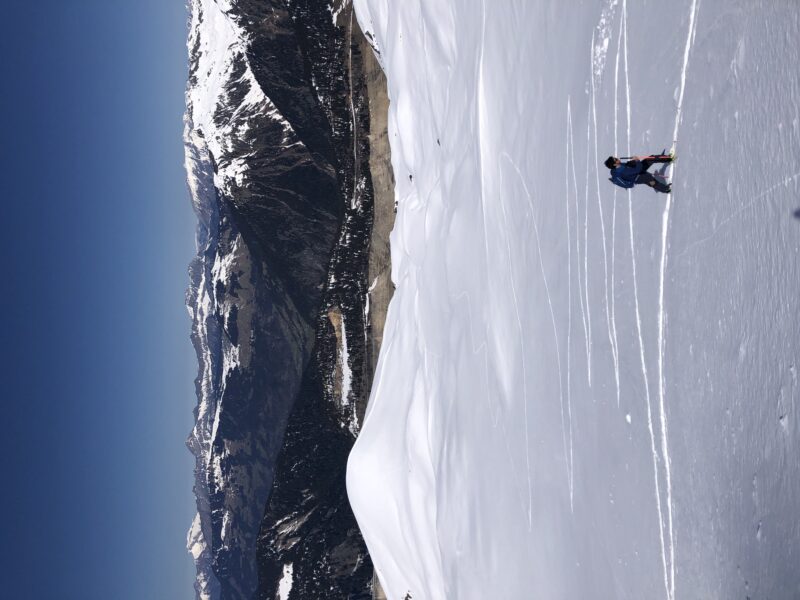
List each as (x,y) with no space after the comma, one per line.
(634,172)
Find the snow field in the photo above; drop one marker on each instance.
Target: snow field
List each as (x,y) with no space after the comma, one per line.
(584,392)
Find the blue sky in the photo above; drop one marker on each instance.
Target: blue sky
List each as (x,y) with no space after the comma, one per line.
(97,367)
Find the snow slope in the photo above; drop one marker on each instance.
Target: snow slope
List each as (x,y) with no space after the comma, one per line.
(585,392)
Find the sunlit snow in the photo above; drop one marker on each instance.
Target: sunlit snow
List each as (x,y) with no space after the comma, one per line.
(285,584)
(585,392)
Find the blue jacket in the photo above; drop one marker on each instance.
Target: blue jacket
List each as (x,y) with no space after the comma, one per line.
(625,175)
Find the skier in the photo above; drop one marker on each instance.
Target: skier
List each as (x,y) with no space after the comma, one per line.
(628,174)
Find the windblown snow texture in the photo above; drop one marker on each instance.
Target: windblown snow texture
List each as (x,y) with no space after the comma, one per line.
(279,160)
(586,392)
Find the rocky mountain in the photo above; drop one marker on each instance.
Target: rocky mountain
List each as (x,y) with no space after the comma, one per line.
(288,168)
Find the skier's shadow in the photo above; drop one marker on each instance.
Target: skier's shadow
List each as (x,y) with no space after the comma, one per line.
(661,174)
(796,214)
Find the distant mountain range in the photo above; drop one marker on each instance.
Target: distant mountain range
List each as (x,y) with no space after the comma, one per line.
(288,167)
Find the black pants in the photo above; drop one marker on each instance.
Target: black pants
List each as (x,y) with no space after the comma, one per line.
(648,179)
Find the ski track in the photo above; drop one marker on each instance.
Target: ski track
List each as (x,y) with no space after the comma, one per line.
(586,257)
(494,408)
(495,411)
(653,449)
(520,328)
(569,277)
(569,457)
(594,75)
(661,312)
(786,181)
(482,124)
(571,138)
(614,211)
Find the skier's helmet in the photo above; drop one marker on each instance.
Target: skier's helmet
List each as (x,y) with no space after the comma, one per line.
(611,162)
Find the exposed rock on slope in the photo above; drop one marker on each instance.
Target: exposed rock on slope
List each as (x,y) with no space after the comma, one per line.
(278,138)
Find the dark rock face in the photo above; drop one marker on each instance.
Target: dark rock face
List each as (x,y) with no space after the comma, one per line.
(308,523)
(278,159)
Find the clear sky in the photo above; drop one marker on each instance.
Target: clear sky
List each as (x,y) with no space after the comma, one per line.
(97,367)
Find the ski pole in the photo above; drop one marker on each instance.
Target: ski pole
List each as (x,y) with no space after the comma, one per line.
(644,158)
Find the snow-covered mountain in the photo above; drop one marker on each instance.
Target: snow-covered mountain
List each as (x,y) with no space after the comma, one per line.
(287,162)
(586,392)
